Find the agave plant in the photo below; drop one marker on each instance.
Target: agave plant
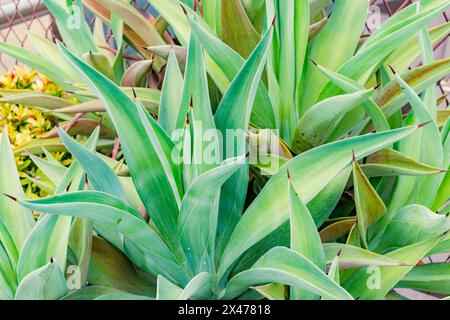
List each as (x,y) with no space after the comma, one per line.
(164,223)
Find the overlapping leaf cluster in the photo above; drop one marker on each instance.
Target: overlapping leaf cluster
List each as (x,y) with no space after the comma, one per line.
(362,185)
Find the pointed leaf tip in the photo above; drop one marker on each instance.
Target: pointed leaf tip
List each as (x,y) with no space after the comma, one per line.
(11,197)
(274,20)
(392,69)
(424,124)
(313,62)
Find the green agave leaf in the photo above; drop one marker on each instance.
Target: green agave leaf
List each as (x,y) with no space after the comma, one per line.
(282,265)
(195,101)
(170,97)
(80,244)
(37,100)
(304,238)
(105,208)
(165,50)
(50,50)
(237,26)
(70,18)
(229,63)
(34,254)
(55,172)
(432,277)
(384,279)
(431,151)
(340,35)
(110,268)
(333,272)
(410,225)
(117,27)
(166,290)
(288,57)
(8,245)
(197,224)
(392,98)
(355,257)
(49,238)
(372,56)
(317,7)
(173,14)
(18,221)
(337,230)
(272,291)
(100,62)
(401,18)
(199,288)
(8,282)
(53,145)
(315,169)
(142,155)
(213,16)
(46,283)
(390,162)
(369,205)
(316,126)
(351,86)
(323,204)
(405,55)
(36,62)
(100,175)
(233,113)
(103,293)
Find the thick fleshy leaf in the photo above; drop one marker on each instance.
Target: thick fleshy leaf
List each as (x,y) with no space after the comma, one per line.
(99,173)
(337,230)
(392,98)
(230,64)
(80,244)
(354,257)
(405,55)
(432,277)
(390,162)
(170,95)
(105,208)
(364,63)
(136,74)
(234,113)
(8,282)
(100,62)
(37,100)
(46,283)
(410,225)
(340,35)
(369,205)
(103,293)
(304,238)
(166,290)
(199,214)
(237,26)
(382,280)
(140,152)
(111,268)
(37,62)
(351,86)
(282,265)
(316,126)
(18,221)
(70,18)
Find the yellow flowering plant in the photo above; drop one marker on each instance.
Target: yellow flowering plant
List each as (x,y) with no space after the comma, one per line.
(24,123)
